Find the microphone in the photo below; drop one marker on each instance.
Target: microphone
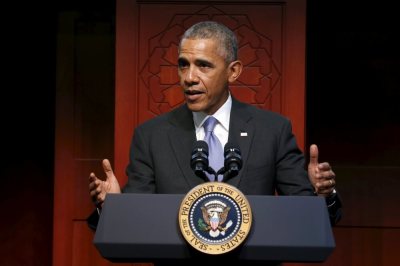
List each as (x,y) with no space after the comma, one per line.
(233,160)
(199,159)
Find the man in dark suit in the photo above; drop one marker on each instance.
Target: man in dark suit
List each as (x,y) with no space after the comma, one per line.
(161,147)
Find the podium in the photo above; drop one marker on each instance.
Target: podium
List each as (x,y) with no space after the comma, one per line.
(144,227)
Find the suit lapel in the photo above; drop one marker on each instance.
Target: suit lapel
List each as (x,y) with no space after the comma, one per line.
(241,131)
(182,136)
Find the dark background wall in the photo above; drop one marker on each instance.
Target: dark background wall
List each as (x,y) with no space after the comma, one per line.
(27,117)
(353,78)
(353,70)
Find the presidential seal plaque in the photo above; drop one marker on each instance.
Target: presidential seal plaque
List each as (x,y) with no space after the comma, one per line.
(215,218)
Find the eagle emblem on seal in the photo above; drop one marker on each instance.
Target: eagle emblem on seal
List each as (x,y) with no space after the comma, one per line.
(215,214)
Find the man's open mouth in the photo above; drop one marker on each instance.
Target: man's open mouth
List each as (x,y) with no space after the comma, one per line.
(193,92)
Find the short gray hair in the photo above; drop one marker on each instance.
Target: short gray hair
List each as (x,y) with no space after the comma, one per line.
(228,46)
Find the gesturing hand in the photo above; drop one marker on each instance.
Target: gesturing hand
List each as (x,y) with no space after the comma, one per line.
(99,188)
(321,175)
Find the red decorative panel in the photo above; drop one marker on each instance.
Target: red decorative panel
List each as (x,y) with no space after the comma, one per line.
(260,49)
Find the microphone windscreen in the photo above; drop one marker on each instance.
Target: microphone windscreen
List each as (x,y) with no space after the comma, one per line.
(200,145)
(233,156)
(199,158)
(231,147)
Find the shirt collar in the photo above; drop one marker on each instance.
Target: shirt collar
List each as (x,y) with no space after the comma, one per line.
(222,115)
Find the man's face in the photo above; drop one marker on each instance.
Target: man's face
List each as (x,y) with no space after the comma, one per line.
(203,75)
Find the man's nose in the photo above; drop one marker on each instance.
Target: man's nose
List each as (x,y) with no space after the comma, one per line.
(192,75)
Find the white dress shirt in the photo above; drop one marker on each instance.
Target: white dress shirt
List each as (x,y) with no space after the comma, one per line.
(221,130)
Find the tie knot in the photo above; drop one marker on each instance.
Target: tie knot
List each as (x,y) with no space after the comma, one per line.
(210,123)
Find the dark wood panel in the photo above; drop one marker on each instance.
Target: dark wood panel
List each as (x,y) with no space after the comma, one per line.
(363,247)
(84,255)
(84,125)
(93,95)
(370,195)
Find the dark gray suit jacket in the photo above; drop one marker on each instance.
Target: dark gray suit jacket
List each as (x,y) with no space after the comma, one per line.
(161,152)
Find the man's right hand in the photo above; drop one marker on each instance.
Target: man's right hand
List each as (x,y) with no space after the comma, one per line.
(99,188)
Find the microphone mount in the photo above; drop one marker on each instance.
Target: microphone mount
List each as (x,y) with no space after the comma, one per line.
(200,165)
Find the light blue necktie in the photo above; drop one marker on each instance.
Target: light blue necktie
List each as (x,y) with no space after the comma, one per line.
(215,151)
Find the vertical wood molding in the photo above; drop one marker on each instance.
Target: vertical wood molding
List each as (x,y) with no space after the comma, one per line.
(64,142)
(294,58)
(125,83)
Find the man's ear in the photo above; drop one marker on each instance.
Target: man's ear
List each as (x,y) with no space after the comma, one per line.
(235,68)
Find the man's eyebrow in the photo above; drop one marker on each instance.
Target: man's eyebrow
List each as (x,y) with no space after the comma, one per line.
(203,62)
(182,60)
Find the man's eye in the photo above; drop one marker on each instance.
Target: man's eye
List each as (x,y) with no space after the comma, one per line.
(183,64)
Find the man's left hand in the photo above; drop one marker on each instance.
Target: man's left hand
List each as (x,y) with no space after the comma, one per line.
(321,175)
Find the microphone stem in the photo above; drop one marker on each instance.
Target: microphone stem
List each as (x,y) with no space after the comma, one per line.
(227,175)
